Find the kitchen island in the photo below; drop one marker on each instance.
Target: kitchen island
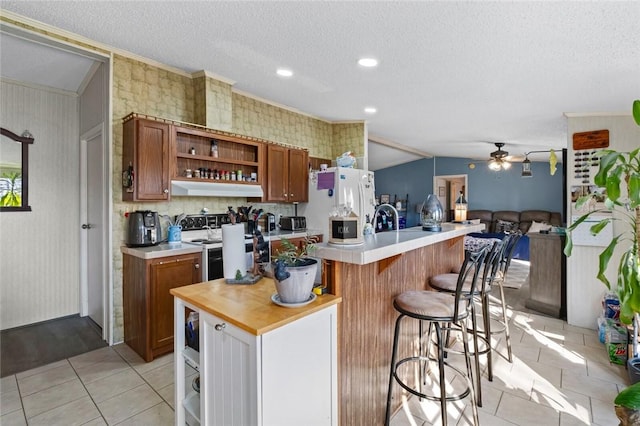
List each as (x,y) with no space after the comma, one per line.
(259,363)
(367,277)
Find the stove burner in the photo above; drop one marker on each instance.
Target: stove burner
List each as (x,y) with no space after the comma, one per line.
(205,241)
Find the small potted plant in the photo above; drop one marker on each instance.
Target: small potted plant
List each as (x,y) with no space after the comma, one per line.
(294,271)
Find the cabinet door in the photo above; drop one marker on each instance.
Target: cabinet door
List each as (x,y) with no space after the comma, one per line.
(277,173)
(298,175)
(229,374)
(151,160)
(167,274)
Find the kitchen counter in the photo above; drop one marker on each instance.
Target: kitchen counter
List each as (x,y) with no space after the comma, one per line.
(368,277)
(161,250)
(248,307)
(384,245)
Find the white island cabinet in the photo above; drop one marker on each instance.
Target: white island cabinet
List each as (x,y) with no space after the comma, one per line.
(259,363)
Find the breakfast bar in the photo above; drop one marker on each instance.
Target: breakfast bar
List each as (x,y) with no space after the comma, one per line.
(367,277)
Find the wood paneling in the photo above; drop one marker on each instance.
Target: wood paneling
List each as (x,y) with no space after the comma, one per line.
(366,320)
(39,250)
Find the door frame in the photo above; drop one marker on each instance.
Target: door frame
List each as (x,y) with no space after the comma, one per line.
(448,179)
(107,291)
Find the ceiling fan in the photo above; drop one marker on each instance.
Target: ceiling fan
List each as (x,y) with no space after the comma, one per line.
(498,159)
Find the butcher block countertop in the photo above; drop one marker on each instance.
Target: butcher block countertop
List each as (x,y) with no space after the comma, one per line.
(248,306)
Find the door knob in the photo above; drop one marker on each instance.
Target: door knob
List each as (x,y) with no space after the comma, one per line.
(220,327)
(166,191)
(86,226)
(197,266)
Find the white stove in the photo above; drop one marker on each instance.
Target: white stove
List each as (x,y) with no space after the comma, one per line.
(206,230)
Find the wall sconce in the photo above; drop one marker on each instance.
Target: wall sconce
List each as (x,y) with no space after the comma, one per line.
(526,167)
(432,214)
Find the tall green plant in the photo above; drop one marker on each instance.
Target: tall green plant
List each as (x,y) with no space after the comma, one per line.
(615,169)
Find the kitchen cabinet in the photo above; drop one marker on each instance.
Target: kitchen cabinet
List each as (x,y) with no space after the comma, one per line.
(147,303)
(145,159)
(194,150)
(297,241)
(260,364)
(288,175)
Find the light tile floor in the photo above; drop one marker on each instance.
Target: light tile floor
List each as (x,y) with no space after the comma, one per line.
(561,375)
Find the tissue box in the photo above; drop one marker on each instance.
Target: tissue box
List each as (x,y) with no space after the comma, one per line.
(345,229)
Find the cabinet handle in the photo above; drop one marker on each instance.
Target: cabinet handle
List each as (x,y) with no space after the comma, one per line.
(166,191)
(220,327)
(197,265)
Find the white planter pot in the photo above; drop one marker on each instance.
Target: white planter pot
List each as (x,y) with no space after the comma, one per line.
(297,288)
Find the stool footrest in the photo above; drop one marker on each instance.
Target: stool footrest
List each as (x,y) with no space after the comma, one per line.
(449,398)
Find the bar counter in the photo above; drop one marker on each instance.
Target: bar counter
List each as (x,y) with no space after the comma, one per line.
(367,277)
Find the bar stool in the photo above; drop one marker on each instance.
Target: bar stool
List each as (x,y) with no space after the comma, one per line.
(440,310)
(500,278)
(447,283)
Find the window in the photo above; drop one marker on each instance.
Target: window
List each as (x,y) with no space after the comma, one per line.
(14,171)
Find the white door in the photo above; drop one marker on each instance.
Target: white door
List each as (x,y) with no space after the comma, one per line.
(93,279)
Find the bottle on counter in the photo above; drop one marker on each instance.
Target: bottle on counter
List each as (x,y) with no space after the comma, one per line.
(214,148)
(193,151)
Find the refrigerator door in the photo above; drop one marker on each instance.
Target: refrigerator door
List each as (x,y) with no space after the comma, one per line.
(352,188)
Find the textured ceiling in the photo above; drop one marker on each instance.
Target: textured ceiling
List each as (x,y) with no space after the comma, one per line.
(454,77)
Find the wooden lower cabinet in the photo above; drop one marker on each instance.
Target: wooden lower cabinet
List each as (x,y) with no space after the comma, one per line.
(148,306)
(298,242)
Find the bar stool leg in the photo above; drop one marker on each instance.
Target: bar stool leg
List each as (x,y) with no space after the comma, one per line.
(505,319)
(476,350)
(443,387)
(474,404)
(391,369)
(487,333)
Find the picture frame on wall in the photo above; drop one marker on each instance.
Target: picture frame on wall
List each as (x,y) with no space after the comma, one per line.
(441,191)
(384,198)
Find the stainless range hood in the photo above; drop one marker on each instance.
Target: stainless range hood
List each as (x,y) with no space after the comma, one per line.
(214,189)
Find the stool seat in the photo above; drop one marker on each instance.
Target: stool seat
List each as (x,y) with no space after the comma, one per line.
(433,305)
(448,282)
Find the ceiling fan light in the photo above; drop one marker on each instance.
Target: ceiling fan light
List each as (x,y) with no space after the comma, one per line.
(506,165)
(494,165)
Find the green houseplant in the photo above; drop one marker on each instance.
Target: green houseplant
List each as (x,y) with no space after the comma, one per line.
(294,271)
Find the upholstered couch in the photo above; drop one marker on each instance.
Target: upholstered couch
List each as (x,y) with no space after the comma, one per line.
(506,220)
(494,221)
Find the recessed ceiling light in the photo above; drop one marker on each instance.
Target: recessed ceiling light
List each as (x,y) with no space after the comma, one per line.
(370,110)
(283,72)
(368,62)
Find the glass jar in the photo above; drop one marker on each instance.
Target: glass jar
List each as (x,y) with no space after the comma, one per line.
(431,214)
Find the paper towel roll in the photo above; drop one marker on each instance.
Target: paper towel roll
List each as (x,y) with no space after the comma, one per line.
(233,250)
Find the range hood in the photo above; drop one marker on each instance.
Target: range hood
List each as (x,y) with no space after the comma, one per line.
(213,189)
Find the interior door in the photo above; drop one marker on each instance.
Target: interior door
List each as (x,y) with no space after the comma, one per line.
(93,227)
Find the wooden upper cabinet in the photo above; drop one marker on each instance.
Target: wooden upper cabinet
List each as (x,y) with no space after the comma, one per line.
(146,149)
(288,174)
(298,175)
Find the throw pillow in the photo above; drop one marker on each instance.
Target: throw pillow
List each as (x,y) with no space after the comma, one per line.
(506,226)
(538,226)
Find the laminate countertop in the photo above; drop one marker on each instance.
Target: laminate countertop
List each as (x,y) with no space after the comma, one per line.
(161,250)
(248,306)
(387,244)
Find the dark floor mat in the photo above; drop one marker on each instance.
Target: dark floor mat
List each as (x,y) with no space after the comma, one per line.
(24,348)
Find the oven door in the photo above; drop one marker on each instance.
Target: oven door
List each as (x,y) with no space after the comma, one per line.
(215,268)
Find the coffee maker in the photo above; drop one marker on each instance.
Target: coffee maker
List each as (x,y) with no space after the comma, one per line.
(271,222)
(144,229)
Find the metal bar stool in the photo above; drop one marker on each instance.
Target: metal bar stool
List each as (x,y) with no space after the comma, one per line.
(440,310)
(500,278)
(448,283)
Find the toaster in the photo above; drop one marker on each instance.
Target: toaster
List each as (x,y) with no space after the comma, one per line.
(293,223)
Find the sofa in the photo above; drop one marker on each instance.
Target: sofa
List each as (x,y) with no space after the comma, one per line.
(498,222)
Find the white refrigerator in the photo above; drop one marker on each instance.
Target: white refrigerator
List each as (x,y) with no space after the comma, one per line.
(336,189)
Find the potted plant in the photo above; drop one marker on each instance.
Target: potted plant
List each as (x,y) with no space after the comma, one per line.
(294,272)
